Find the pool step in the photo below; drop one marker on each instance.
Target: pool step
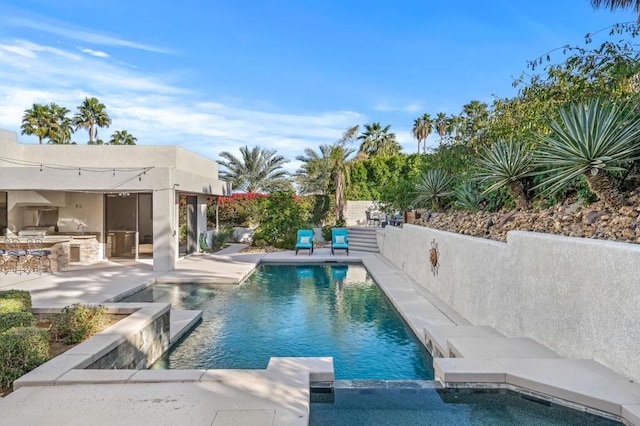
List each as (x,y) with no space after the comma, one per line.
(181,322)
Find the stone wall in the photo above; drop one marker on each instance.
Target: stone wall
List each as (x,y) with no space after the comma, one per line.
(89,249)
(577,296)
(140,349)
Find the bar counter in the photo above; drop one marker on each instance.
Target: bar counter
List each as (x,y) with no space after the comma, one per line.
(65,249)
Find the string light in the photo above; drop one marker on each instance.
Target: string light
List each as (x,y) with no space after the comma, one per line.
(43,166)
(137,172)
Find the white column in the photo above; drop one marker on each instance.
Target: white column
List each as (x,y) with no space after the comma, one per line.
(165,230)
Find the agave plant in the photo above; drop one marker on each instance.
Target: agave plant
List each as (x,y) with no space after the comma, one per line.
(592,139)
(432,186)
(221,236)
(467,197)
(506,165)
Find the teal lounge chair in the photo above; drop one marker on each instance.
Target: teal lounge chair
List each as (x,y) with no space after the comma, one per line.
(304,240)
(339,240)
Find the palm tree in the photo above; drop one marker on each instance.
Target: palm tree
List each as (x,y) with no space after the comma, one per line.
(422,127)
(340,164)
(91,115)
(122,137)
(506,165)
(457,127)
(36,121)
(314,175)
(258,170)
(618,4)
(61,125)
(441,124)
(378,141)
(591,139)
(477,116)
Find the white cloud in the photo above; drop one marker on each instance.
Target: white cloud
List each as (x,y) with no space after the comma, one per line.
(30,50)
(153,108)
(64,29)
(411,107)
(96,53)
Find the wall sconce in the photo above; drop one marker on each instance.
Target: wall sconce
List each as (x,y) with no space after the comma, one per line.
(433,257)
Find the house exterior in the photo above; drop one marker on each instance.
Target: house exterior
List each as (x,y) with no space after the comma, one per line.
(125,195)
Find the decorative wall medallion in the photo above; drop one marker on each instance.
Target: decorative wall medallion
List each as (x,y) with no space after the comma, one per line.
(433,257)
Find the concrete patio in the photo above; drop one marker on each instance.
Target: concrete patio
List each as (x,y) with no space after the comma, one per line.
(279,395)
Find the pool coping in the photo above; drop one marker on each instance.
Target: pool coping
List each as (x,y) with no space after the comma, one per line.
(435,324)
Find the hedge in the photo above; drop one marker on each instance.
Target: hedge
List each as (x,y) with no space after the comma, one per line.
(10,320)
(15,301)
(78,323)
(22,349)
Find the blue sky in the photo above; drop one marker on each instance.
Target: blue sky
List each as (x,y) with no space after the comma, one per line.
(213,75)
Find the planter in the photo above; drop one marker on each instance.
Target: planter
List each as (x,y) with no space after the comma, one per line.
(409,217)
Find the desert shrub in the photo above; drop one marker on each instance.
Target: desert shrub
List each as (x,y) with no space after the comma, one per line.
(326,232)
(259,242)
(221,236)
(320,208)
(467,197)
(77,323)
(22,349)
(240,209)
(10,320)
(15,301)
(281,218)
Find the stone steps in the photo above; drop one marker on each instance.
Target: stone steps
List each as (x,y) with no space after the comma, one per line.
(363,239)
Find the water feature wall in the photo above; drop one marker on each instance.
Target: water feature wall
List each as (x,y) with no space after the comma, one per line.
(578,296)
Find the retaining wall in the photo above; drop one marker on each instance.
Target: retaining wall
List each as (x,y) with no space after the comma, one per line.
(355,214)
(580,297)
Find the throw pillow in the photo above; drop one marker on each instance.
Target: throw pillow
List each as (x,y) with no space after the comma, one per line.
(305,240)
(339,239)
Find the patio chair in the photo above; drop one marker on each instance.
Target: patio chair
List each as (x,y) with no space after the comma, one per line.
(372,218)
(304,240)
(339,240)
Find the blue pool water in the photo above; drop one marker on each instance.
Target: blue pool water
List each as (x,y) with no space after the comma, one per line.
(406,406)
(297,311)
(338,311)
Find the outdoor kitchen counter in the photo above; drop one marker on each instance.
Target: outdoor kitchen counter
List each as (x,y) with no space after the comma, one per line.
(66,249)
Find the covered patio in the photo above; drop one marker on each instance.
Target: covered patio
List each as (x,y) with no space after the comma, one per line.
(124,196)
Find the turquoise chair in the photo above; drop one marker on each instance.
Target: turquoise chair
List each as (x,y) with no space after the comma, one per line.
(339,240)
(304,240)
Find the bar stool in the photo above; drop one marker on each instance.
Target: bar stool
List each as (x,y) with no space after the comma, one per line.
(15,257)
(39,256)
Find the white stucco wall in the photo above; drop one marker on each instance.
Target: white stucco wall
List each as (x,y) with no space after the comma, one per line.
(163,171)
(82,212)
(355,214)
(580,297)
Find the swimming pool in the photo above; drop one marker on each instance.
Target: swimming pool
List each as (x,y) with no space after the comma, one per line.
(296,311)
(425,404)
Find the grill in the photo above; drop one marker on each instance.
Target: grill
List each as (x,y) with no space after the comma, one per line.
(36,231)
